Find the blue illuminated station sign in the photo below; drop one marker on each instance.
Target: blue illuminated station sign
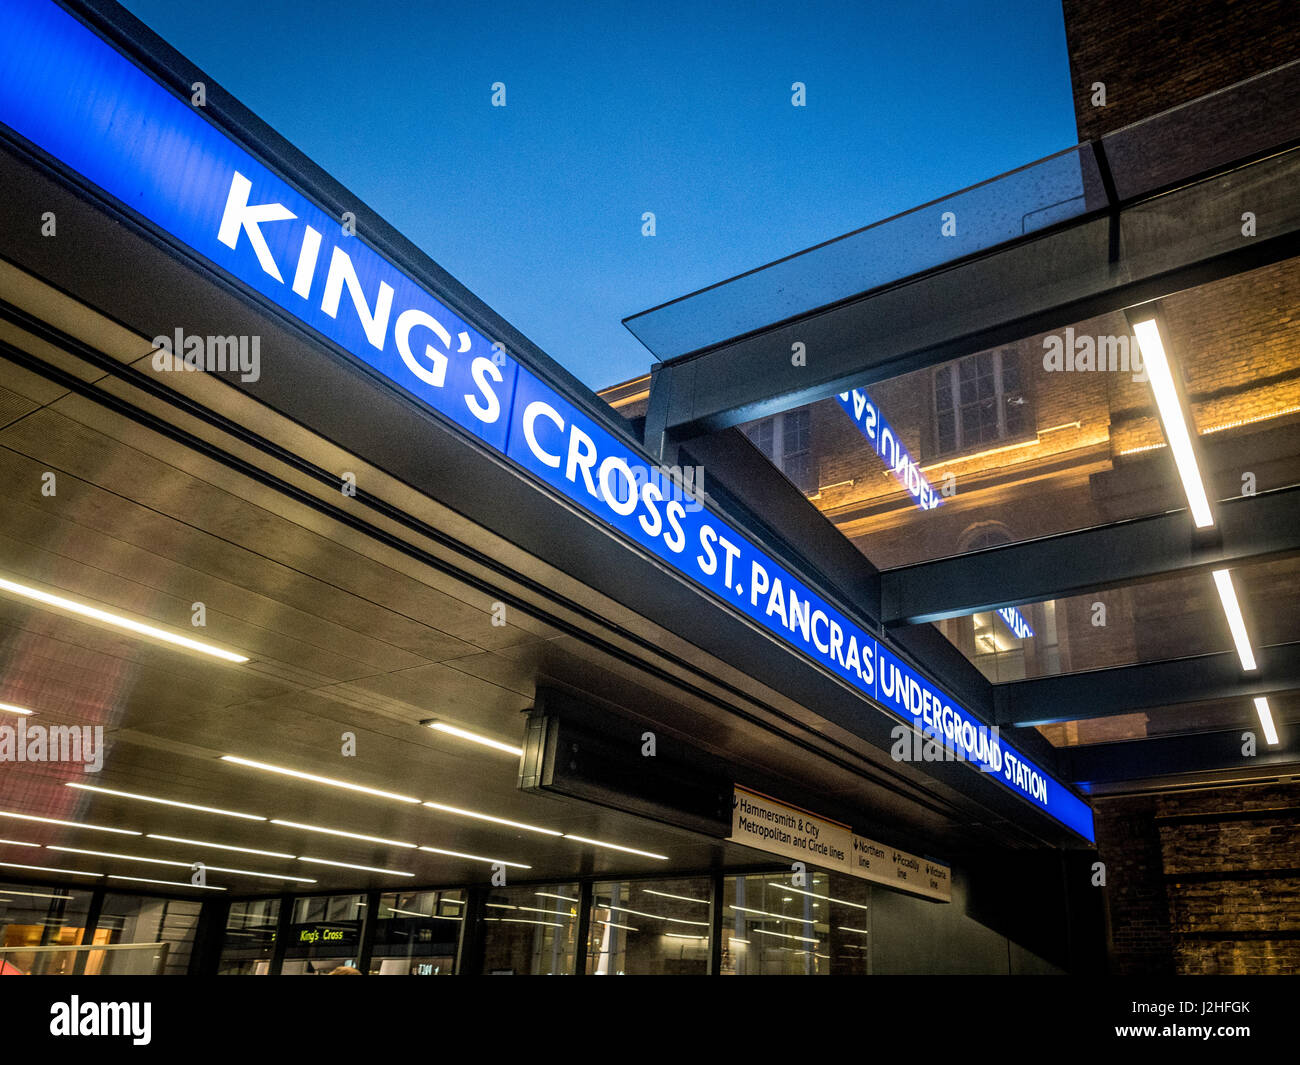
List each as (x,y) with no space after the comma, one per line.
(74,96)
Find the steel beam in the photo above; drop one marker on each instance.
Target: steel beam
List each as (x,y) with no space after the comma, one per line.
(1197,753)
(1056,277)
(1125,689)
(1249,528)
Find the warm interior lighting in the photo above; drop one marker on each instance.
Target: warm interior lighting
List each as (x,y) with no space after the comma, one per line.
(314,779)
(163,802)
(1231,608)
(473,737)
(1266,720)
(9,708)
(1171,417)
(94,613)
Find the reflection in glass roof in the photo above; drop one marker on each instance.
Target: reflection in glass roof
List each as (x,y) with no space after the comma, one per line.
(1019,445)
(1001,209)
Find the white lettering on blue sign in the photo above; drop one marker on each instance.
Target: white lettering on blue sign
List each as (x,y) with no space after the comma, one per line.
(69,93)
(882,437)
(1016,622)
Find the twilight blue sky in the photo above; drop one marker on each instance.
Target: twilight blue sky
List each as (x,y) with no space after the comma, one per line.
(612,110)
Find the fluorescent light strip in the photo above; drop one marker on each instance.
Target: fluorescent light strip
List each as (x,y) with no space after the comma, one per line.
(825,898)
(337,832)
(475,857)
(169,883)
(473,737)
(314,779)
(1236,623)
(523,920)
(859,931)
(348,865)
(37,895)
(552,895)
(69,824)
(782,935)
(47,869)
(495,820)
(121,857)
(9,708)
(423,916)
(84,610)
(666,895)
(1266,720)
(775,916)
(615,846)
(682,935)
(615,924)
(180,864)
(220,846)
(16,843)
(653,916)
(1171,416)
(164,802)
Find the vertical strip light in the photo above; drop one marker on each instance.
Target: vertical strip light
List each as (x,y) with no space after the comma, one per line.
(1266,720)
(1236,623)
(1172,418)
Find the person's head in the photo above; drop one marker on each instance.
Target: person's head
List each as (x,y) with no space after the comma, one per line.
(344,970)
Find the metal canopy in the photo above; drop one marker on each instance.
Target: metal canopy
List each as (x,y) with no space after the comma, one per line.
(1147,230)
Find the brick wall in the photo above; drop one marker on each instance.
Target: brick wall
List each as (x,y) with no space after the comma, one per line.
(1154,56)
(1203,883)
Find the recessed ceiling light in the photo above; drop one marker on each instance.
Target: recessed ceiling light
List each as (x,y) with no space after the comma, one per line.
(338,832)
(85,610)
(349,865)
(782,935)
(553,895)
(473,737)
(488,817)
(314,779)
(163,802)
(1236,623)
(219,846)
(169,883)
(615,846)
(475,857)
(668,895)
(825,898)
(9,708)
(47,869)
(1172,418)
(68,824)
(1266,720)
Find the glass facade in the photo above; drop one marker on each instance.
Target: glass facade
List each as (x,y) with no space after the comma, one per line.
(770,927)
(650,927)
(531,931)
(418,933)
(248,947)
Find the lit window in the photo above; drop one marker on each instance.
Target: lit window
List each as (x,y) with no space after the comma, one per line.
(786,439)
(979,400)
